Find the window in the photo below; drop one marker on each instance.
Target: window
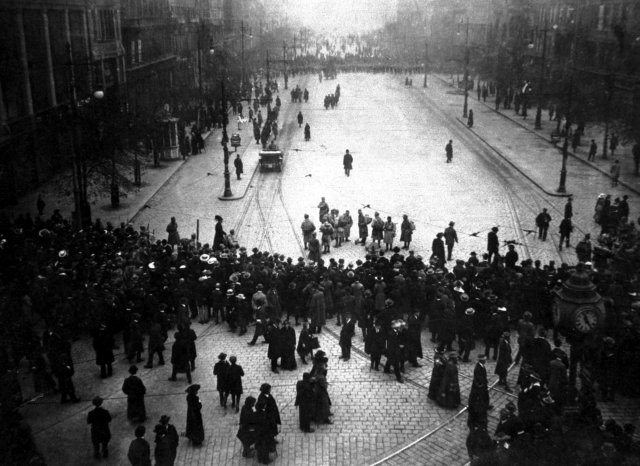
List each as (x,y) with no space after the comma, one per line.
(105,27)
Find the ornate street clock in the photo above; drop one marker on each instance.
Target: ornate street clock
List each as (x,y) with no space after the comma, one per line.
(578,310)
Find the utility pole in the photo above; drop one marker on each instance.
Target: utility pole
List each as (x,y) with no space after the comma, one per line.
(538,124)
(267,67)
(466,71)
(225,139)
(242,77)
(426,59)
(605,143)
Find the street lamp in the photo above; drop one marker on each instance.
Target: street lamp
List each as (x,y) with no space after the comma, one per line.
(466,69)
(426,59)
(538,124)
(225,140)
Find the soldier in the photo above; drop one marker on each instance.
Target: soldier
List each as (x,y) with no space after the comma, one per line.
(99,419)
(307,230)
(363,229)
(135,390)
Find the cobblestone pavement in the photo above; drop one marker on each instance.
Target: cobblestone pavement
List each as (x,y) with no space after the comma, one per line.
(397,136)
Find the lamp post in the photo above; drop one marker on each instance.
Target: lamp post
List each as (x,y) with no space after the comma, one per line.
(284,61)
(225,140)
(538,124)
(562,188)
(466,71)
(426,59)
(607,115)
(242,77)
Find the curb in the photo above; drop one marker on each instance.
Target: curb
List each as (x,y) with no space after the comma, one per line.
(522,172)
(572,154)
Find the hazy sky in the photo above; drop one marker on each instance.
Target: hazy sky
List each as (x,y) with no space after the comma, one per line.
(340,16)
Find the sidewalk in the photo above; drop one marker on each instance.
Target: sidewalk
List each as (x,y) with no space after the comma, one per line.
(153,178)
(628,179)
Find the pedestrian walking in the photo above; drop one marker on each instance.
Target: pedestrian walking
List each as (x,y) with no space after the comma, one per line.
(195,427)
(493,245)
(248,426)
(156,344)
(304,402)
(172,230)
(300,119)
(449,151)
(220,236)
(267,405)
(593,149)
(135,390)
(566,227)
(614,172)
(103,346)
(64,373)
(221,371)
(347,162)
(406,231)
(317,308)
(139,453)
(470,119)
(99,419)
(274,351)
(234,382)
(568,208)
(307,132)
(180,358)
(394,351)
(237,163)
(479,395)
(542,222)
(437,250)
(613,144)
(375,343)
(450,238)
(166,441)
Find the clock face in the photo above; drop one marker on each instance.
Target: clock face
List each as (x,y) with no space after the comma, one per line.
(586,319)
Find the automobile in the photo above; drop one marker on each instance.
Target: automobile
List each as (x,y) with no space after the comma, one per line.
(271,160)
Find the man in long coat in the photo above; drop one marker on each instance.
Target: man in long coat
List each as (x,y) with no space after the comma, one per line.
(166,442)
(268,406)
(288,346)
(307,230)
(414,343)
(317,310)
(346,334)
(437,373)
(304,402)
(504,360)
(449,392)
(180,358)
(479,395)
(221,371)
(437,249)
(103,346)
(275,345)
(156,344)
(375,343)
(99,419)
(347,161)
(135,390)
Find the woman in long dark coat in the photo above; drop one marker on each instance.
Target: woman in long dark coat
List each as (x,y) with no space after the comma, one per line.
(135,390)
(248,426)
(172,229)
(322,402)
(234,382)
(437,373)
(103,346)
(449,392)
(195,428)
(219,238)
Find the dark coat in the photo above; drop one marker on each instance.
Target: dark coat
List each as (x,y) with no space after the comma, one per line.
(103,345)
(166,444)
(414,332)
(180,356)
(239,166)
(275,343)
(304,342)
(135,390)
(267,404)
(376,342)
(437,249)
(347,161)
(304,402)
(288,348)
(504,357)
(248,425)
(234,379)
(347,332)
(221,371)
(449,392)
(99,419)
(195,428)
(437,373)
(139,452)
(156,338)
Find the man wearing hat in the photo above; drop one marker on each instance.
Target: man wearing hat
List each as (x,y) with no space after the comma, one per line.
(221,371)
(166,442)
(479,395)
(375,345)
(139,453)
(437,250)
(268,411)
(275,345)
(304,402)
(466,337)
(450,238)
(156,343)
(99,419)
(493,244)
(135,390)
(195,428)
(347,332)
(180,358)
(504,360)
(394,351)
(449,391)
(103,346)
